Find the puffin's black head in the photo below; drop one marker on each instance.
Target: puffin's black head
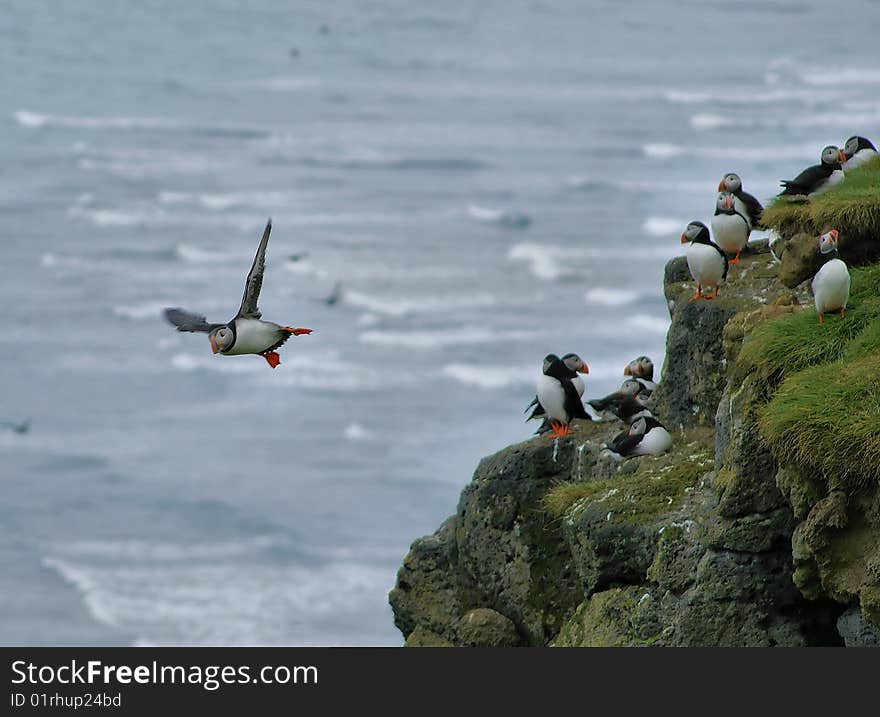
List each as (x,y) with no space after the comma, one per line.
(855,143)
(724,203)
(550,360)
(730,182)
(828,242)
(575,363)
(695,231)
(832,157)
(221,339)
(641,367)
(630,387)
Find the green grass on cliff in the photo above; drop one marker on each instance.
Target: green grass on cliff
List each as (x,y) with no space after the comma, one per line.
(657,486)
(854,204)
(824,416)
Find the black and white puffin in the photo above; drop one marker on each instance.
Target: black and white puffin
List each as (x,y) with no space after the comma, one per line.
(642,370)
(246,333)
(576,366)
(558,396)
(645,437)
(746,204)
(831,283)
(857,151)
(819,178)
(706,260)
(730,227)
(625,403)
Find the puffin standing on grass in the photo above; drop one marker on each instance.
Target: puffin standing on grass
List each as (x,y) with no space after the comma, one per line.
(831,283)
(819,178)
(744,203)
(645,437)
(558,396)
(246,333)
(729,227)
(857,151)
(706,261)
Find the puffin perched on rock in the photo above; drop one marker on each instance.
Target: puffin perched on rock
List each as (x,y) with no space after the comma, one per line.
(645,437)
(744,203)
(576,366)
(559,397)
(642,370)
(831,283)
(819,178)
(625,404)
(246,333)
(730,227)
(857,151)
(706,260)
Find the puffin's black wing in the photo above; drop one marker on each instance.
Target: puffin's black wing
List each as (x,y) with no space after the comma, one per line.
(539,409)
(573,406)
(754,207)
(254,283)
(610,402)
(723,256)
(805,182)
(186,321)
(624,443)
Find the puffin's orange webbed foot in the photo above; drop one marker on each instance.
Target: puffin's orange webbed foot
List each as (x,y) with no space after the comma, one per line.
(296,332)
(735,259)
(698,295)
(559,429)
(272,358)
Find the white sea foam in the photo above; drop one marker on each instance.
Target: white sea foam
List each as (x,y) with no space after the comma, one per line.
(663,150)
(545,261)
(610,297)
(644,322)
(27,118)
(469,335)
(508,218)
(357,432)
(402,306)
(841,76)
(663,226)
(489,376)
(265,199)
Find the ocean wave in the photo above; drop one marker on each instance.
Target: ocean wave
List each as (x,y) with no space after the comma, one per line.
(545,261)
(285,83)
(147,551)
(740,96)
(265,199)
(377,160)
(650,324)
(488,376)
(664,226)
(507,218)
(357,432)
(830,76)
(806,120)
(665,184)
(402,306)
(466,336)
(610,297)
(663,150)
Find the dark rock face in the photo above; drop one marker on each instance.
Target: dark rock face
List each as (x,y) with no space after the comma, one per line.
(713,544)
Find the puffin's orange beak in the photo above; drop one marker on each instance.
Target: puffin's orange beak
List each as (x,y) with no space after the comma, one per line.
(214,347)
(721,185)
(684,238)
(627,371)
(833,233)
(585,369)
(842,156)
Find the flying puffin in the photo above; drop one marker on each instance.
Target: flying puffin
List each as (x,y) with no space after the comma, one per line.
(744,203)
(642,370)
(625,403)
(558,396)
(819,178)
(645,437)
(246,333)
(831,283)
(730,227)
(706,260)
(576,366)
(857,151)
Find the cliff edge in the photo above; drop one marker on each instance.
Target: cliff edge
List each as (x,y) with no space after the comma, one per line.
(761,527)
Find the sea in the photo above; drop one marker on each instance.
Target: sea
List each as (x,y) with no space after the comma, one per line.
(472,185)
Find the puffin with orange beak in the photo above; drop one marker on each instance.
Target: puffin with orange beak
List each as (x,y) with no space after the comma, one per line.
(641,369)
(575,367)
(744,203)
(706,260)
(819,178)
(558,396)
(246,333)
(730,228)
(857,151)
(831,283)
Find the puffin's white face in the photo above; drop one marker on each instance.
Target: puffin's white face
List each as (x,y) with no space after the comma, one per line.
(828,242)
(730,183)
(638,428)
(630,387)
(832,155)
(691,232)
(575,363)
(220,339)
(851,147)
(724,201)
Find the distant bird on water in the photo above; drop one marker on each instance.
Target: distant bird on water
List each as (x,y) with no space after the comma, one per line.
(246,333)
(19,427)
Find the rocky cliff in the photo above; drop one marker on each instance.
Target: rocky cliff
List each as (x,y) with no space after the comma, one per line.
(739,536)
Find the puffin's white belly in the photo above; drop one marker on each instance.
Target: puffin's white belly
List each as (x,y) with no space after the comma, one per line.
(253,336)
(835,178)
(705,263)
(859,158)
(654,443)
(551,395)
(730,231)
(579,384)
(831,286)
